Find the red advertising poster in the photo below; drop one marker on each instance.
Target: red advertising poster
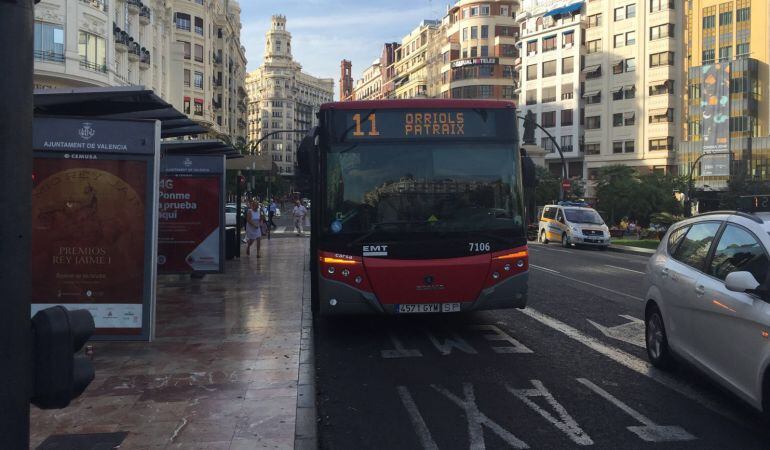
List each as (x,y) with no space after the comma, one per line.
(188,224)
(88,239)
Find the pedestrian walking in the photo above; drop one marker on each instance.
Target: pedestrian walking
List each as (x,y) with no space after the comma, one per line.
(253,228)
(299,212)
(271,214)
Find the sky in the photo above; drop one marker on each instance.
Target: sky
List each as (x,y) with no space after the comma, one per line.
(324,32)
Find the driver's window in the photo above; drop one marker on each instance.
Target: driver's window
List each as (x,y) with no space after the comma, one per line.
(560,216)
(738,250)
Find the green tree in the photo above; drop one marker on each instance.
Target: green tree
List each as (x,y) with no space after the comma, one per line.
(622,192)
(547,190)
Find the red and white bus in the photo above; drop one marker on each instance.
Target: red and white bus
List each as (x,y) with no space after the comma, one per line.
(417,207)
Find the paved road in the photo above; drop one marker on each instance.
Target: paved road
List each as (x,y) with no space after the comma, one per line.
(569,371)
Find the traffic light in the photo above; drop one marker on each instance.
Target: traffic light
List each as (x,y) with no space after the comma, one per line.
(529,128)
(59,375)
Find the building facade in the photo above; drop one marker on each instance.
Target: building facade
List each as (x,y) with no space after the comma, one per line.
(411,64)
(622,62)
(369,86)
(727,43)
(478,51)
(282,97)
(346,80)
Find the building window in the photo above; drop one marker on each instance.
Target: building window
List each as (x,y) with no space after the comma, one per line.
(709,22)
(549,94)
(568,39)
(507,71)
(726,53)
(662,31)
(566,142)
(567,117)
(504,11)
(594,46)
(594,20)
(661,5)
(183,21)
(617,120)
(629,146)
(199,80)
(198,52)
(625,39)
(49,42)
(625,12)
(474,11)
(662,88)
(593,98)
(593,122)
(474,52)
(508,92)
(662,144)
(187,48)
(708,56)
(742,50)
(568,65)
(549,43)
(485,91)
(186,106)
(624,65)
(725,18)
(593,72)
(549,68)
(662,59)
(593,149)
(662,115)
(531,97)
(92,51)
(548,119)
(186,77)
(567,92)
(508,50)
(199,26)
(617,94)
(629,118)
(474,32)
(484,10)
(465,34)
(531,48)
(743,15)
(484,50)
(484,31)
(617,147)
(547,144)
(532,72)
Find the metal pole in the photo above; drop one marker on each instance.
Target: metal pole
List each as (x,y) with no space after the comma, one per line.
(16,21)
(558,149)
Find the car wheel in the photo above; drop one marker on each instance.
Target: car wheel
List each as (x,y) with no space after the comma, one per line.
(655,337)
(564,241)
(543,239)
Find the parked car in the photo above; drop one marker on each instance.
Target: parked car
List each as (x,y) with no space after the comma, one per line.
(573,223)
(708,301)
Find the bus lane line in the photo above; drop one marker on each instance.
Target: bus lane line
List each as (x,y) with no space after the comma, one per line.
(557,274)
(650,432)
(623,268)
(632,362)
(543,268)
(420,427)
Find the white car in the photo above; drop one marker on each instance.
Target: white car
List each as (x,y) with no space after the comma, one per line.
(230,215)
(708,301)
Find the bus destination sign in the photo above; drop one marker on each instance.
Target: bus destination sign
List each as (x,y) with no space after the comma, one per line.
(421,124)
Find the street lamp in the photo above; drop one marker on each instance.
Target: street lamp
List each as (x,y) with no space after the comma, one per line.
(529,121)
(688,203)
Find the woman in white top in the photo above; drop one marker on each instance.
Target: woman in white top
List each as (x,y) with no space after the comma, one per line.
(253,228)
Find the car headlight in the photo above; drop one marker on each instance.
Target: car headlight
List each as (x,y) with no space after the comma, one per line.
(575,230)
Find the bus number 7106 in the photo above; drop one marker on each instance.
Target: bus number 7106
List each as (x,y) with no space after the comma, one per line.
(479,246)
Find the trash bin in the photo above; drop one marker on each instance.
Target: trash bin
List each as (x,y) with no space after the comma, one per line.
(231,242)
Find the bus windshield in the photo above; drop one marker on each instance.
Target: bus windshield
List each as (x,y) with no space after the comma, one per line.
(421,187)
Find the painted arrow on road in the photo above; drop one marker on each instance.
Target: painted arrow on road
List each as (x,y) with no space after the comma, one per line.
(631,332)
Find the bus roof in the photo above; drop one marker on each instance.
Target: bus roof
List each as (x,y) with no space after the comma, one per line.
(419,104)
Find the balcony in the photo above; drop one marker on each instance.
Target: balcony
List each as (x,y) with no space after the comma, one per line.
(145,16)
(134,6)
(49,56)
(217,59)
(122,40)
(93,66)
(134,52)
(144,59)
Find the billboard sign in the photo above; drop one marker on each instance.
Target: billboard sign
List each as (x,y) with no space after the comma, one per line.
(715,120)
(94,216)
(191,214)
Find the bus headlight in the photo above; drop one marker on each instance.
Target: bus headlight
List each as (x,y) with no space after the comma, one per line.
(359,279)
(330,269)
(520,263)
(496,275)
(345,272)
(507,267)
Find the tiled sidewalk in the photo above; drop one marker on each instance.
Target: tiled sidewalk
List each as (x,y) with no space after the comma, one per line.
(222,372)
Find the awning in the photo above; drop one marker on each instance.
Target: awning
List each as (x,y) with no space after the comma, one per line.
(616,89)
(630,87)
(569,9)
(569,32)
(130,102)
(592,68)
(549,37)
(659,112)
(629,114)
(199,147)
(591,94)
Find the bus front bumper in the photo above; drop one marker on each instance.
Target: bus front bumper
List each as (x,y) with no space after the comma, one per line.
(337,298)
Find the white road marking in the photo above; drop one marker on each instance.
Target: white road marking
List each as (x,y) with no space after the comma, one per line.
(556,274)
(631,362)
(564,423)
(630,332)
(420,427)
(400,351)
(476,419)
(500,335)
(650,432)
(556,250)
(445,347)
(544,268)
(623,268)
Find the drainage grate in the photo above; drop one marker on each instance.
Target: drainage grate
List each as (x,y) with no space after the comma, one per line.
(93,441)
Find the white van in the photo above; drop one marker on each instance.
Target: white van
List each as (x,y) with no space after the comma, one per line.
(573,223)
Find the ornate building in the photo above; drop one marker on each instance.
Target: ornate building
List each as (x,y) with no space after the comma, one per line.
(283,97)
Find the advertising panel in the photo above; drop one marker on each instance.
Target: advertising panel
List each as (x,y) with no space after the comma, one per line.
(190,230)
(93,208)
(715,104)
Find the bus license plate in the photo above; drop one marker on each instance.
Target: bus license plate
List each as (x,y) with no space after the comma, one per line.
(428,308)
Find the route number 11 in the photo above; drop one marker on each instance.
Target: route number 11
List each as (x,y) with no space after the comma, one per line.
(372,118)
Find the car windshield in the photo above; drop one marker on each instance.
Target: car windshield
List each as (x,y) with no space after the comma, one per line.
(583,216)
(419,188)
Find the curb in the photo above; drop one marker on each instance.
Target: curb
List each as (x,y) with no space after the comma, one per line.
(306,430)
(631,250)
